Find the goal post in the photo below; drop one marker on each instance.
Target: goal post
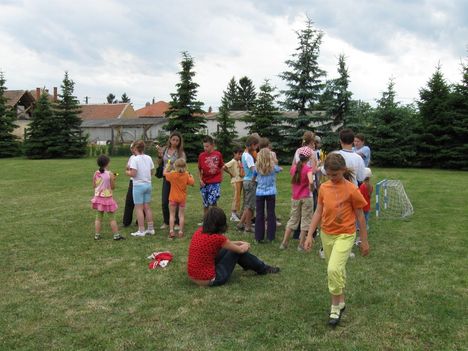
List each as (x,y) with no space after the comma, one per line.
(391,200)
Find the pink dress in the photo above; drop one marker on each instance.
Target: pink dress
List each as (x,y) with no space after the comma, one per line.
(103,200)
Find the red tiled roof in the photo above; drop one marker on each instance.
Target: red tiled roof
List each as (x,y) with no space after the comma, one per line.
(153,110)
(102,111)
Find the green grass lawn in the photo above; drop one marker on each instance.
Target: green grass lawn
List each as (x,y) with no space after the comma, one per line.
(61,290)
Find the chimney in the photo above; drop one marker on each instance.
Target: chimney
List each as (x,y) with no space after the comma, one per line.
(210,109)
(38,93)
(153,101)
(55,94)
(147,104)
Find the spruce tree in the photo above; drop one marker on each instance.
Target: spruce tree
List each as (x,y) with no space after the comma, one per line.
(231,95)
(8,141)
(226,129)
(111,99)
(390,146)
(124,98)
(185,112)
(246,94)
(265,118)
(335,101)
(67,111)
(458,107)
(43,137)
(437,122)
(304,85)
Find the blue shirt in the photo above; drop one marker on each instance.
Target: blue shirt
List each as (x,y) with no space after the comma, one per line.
(365,153)
(266,184)
(247,163)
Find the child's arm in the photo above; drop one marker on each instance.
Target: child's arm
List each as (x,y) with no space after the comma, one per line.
(190,180)
(316,218)
(225,169)
(200,176)
(240,249)
(112,180)
(364,246)
(131,172)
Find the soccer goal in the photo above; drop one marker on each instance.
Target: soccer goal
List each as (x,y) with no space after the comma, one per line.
(391,201)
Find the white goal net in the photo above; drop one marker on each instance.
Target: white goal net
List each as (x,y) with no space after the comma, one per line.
(391,201)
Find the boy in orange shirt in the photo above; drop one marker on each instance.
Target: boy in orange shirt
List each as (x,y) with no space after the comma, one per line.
(179,179)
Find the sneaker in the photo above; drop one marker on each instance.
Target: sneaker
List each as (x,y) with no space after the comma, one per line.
(176,227)
(278,224)
(357,242)
(200,224)
(283,246)
(272,270)
(322,254)
(234,218)
(248,230)
(118,237)
(138,233)
(335,316)
(149,232)
(300,248)
(163,226)
(97,236)
(352,255)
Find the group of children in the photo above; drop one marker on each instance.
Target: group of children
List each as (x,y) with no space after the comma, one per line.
(341,208)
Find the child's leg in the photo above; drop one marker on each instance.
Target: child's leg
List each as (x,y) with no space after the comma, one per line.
(148,215)
(238,196)
(181,220)
(140,217)
(271,217)
(172,214)
(306,213)
(113,223)
(234,198)
(98,224)
(260,218)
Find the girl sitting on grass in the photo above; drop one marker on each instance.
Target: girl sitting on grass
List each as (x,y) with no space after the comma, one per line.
(179,178)
(212,256)
(339,204)
(103,202)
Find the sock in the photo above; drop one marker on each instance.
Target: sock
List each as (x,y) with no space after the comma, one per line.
(150,226)
(335,310)
(341,306)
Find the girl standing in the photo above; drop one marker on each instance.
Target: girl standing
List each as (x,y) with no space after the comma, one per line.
(141,168)
(339,204)
(265,175)
(103,202)
(168,155)
(302,203)
(179,178)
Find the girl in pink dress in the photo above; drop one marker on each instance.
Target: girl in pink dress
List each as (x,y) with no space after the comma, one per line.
(104,183)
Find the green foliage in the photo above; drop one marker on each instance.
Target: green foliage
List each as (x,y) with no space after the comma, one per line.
(226,132)
(67,112)
(246,94)
(8,141)
(185,112)
(111,99)
(304,85)
(390,146)
(43,137)
(124,98)
(264,118)
(231,96)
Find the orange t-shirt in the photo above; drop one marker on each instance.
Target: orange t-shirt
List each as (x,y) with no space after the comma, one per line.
(179,182)
(339,202)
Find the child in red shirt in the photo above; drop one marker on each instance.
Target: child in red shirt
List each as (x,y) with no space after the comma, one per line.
(212,256)
(210,168)
(366,190)
(179,179)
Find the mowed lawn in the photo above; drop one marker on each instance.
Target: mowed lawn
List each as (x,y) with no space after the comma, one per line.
(61,290)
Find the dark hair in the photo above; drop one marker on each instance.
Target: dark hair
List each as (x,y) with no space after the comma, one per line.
(251,140)
(102,162)
(208,139)
(215,221)
(296,178)
(360,136)
(237,149)
(263,143)
(180,147)
(336,162)
(307,138)
(347,136)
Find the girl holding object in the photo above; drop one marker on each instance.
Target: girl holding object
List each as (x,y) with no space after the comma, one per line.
(103,202)
(339,204)
(179,178)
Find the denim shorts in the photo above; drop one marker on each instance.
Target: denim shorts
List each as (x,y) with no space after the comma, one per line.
(142,193)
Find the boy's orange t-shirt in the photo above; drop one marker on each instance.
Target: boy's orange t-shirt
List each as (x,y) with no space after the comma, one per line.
(339,202)
(179,182)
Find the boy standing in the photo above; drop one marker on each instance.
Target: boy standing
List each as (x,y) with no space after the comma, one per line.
(210,165)
(248,164)
(361,149)
(233,168)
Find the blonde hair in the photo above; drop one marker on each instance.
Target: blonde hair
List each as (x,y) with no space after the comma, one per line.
(308,138)
(265,163)
(180,165)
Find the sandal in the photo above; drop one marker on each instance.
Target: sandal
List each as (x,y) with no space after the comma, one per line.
(171,235)
(180,235)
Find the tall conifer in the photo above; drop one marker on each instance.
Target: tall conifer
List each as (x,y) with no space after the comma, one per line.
(8,142)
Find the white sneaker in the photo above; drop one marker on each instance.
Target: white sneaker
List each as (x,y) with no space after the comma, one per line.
(163,226)
(352,255)
(200,224)
(149,232)
(138,233)
(234,218)
(322,254)
(176,228)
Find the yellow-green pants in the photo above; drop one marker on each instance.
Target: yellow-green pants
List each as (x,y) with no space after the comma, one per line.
(337,248)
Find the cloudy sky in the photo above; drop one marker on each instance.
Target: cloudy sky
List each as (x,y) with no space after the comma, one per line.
(135,46)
